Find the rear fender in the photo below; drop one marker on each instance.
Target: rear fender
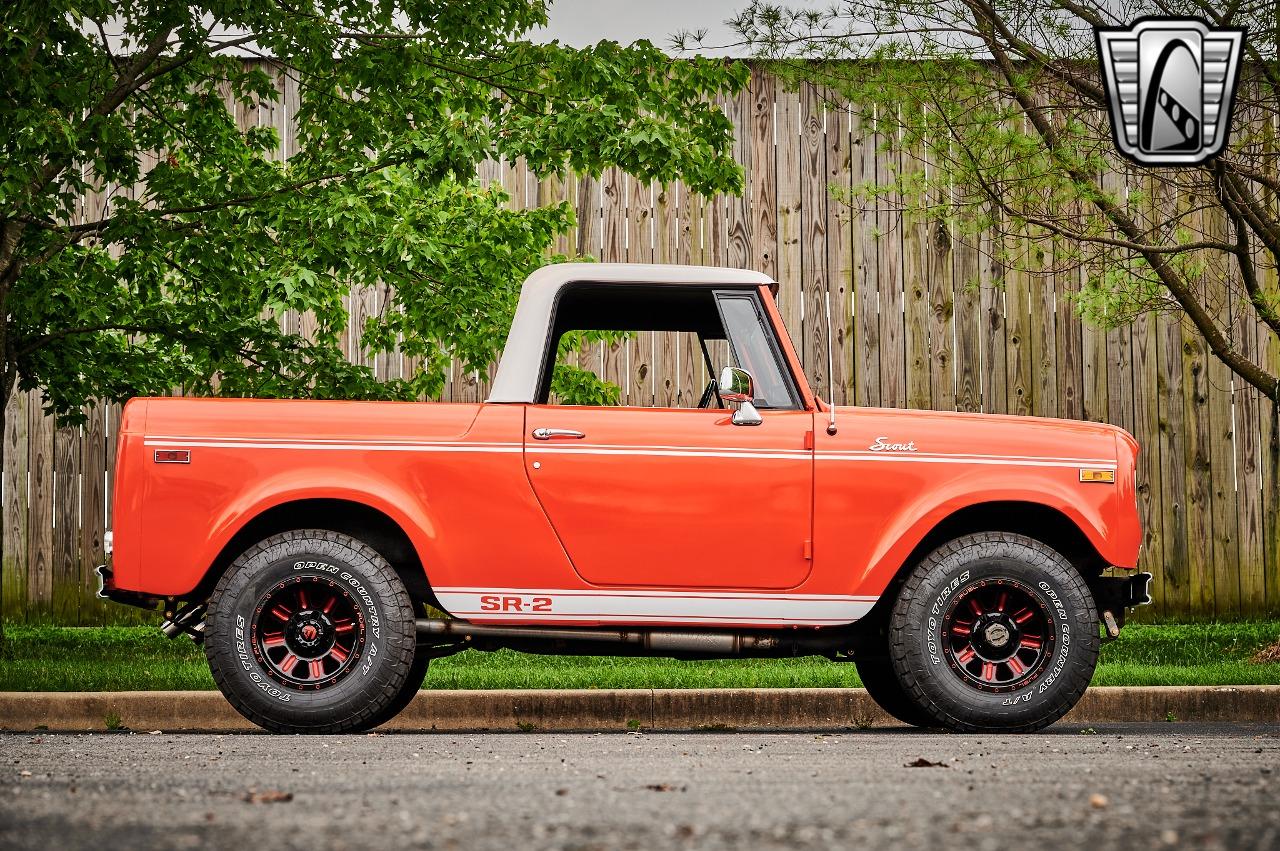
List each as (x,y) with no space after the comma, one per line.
(407,512)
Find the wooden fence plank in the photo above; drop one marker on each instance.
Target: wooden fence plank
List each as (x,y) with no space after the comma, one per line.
(1069,367)
(1269,414)
(17,422)
(791,288)
(763,177)
(866,285)
(1147,429)
(1094,360)
(1042,295)
(841,261)
(93,523)
(640,250)
(991,303)
(40,513)
(893,351)
(1248,463)
(1225,553)
(1093,344)
(1199,487)
(1197,460)
(66,591)
(738,207)
(587,207)
(1176,593)
(913,229)
(690,249)
(1017,312)
(666,385)
(1119,349)
(814,284)
(967,321)
(940,275)
(613,214)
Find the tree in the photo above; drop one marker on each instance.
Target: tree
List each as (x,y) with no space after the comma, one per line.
(146,242)
(1004,98)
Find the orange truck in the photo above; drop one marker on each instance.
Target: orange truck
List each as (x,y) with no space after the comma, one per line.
(325,551)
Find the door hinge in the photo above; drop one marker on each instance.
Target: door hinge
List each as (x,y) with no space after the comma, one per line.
(808,439)
(808,550)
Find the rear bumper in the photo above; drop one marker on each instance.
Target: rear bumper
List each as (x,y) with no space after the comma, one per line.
(107,590)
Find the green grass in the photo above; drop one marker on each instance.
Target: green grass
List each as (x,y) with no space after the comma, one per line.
(47,658)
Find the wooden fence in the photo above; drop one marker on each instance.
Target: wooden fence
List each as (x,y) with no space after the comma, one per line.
(884,311)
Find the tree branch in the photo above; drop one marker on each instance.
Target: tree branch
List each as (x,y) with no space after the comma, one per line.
(1244,253)
(126,82)
(1196,312)
(1253,212)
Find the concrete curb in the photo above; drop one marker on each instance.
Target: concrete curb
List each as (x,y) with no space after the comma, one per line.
(617,709)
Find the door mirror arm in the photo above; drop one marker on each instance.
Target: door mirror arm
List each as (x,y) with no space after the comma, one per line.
(738,389)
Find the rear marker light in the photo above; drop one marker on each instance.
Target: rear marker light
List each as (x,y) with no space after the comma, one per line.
(1106,477)
(173,456)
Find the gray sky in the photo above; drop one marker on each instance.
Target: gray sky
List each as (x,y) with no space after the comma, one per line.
(583,22)
(580,23)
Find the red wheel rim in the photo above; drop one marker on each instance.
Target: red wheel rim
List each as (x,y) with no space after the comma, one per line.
(997,635)
(307,632)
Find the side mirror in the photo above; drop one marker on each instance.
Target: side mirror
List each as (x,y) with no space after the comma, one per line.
(738,388)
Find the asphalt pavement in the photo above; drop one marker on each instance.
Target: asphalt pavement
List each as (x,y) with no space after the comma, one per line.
(1113,786)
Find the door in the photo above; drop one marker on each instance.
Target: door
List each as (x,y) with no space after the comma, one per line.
(669,497)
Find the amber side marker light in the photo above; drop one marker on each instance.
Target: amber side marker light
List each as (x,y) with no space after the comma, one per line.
(1106,477)
(173,456)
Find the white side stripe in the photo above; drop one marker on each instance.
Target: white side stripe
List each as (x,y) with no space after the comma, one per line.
(952,459)
(768,453)
(644,592)
(701,607)
(359,447)
(671,453)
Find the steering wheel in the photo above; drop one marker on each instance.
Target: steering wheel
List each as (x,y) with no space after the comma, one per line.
(712,391)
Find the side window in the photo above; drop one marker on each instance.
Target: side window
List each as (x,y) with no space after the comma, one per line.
(649,369)
(755,349)
(635,345)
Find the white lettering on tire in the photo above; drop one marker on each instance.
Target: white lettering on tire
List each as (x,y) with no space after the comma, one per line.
(242,653)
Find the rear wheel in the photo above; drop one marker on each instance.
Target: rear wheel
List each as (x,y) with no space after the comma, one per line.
(312,631)
(994,632)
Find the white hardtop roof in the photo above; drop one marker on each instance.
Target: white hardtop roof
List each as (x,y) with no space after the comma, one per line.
(521,363)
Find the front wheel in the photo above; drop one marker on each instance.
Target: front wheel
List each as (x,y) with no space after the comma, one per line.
(311,631)
(994,632)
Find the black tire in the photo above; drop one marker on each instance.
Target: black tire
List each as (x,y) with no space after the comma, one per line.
(412,685)
(311,631)
(881,682)
(994,632)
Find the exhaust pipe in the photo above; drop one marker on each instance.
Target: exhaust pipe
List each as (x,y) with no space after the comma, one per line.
(190,620)
(714,643)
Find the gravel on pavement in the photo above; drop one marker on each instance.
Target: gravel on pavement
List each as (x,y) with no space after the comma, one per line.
(1114,786)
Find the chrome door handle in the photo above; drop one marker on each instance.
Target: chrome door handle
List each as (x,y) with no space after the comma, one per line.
(557,434)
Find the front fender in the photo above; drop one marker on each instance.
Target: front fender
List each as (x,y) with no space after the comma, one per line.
(1099,522)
